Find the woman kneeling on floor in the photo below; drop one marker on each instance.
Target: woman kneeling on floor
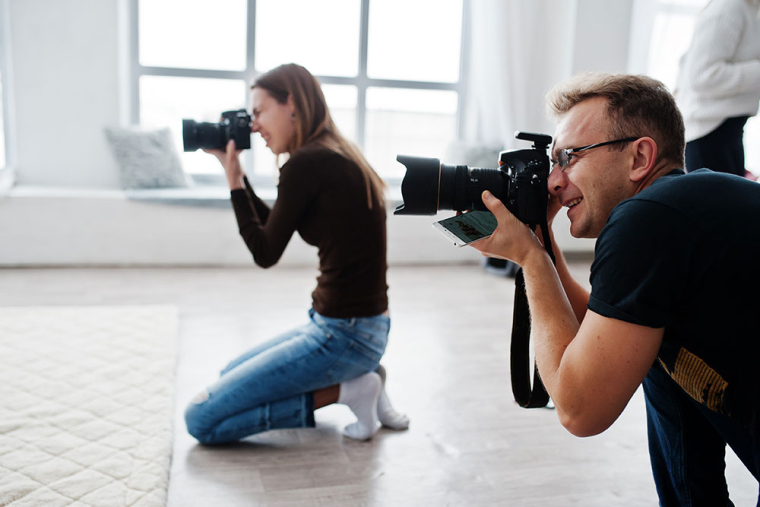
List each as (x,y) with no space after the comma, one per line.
(329,194)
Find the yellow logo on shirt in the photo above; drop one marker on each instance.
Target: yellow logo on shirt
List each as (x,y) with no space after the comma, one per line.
(700,381)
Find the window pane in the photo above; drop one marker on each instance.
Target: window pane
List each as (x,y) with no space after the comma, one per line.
(193,34)
(408,122)
(671,37)
(322,36)
(406,43)
(341,99)
(264,161)
(165,101)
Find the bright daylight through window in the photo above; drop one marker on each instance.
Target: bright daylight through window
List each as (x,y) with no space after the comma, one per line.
(395,90)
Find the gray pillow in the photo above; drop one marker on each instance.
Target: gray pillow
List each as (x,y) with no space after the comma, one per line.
(146,158)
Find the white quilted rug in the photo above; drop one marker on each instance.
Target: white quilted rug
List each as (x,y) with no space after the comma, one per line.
(86,404)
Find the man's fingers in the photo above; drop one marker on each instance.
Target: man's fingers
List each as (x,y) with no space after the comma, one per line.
(493,204)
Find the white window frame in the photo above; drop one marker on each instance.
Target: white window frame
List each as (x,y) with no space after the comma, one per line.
(361,81)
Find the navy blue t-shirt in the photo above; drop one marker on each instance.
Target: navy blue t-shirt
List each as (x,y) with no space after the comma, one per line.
(683,255)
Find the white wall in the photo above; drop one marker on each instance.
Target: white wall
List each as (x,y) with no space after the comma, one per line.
(65,78)
(107,229)
(602,34)
(67,75)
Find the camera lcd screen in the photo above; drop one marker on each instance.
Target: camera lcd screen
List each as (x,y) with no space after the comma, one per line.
(467,228)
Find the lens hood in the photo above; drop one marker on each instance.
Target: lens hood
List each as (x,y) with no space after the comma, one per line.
(190,135)
(419,189)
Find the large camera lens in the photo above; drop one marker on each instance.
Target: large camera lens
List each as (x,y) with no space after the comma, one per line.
(235,125)
(419,188)
(430,186)
(199,135)
(520,182)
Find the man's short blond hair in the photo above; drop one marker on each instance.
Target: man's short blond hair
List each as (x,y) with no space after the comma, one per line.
(637,106)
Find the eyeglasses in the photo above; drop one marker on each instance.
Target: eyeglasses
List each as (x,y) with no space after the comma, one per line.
(564,156)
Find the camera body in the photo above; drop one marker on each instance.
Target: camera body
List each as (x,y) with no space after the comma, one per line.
(520,183)
(235,125)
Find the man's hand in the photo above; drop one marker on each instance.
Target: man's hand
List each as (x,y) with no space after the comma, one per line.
(230,160)
(590,369)
(512,239)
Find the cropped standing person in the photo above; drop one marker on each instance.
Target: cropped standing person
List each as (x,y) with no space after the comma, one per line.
(330,195)
(718,86)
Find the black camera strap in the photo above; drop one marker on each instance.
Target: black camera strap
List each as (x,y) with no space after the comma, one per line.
(520,364)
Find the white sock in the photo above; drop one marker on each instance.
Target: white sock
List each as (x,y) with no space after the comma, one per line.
(385,412)
(388,415)
(361,394)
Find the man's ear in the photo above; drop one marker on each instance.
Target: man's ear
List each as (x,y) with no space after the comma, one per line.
(644,157)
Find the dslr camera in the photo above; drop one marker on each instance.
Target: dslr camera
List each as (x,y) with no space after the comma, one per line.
(235,125)
(520,183)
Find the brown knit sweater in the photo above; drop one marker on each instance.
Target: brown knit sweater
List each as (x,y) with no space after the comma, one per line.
(323,196)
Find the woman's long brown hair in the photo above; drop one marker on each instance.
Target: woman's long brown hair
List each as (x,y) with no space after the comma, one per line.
(314,125)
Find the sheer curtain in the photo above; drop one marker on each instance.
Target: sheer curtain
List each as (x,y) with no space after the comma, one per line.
(518,50)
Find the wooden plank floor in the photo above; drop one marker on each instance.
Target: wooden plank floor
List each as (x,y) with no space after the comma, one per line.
(469,444)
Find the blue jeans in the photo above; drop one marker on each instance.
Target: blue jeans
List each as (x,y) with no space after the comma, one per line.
(271,386)
(687,445)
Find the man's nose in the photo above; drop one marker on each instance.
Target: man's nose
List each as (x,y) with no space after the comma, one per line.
(556,179)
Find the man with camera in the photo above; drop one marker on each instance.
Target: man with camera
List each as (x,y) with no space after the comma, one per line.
(669,285)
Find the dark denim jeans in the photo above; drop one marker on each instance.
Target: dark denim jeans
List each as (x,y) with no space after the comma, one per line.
(271,386)
(687,445)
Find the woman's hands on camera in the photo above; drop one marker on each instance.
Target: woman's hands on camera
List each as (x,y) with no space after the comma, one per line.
(512,239)
(230,160)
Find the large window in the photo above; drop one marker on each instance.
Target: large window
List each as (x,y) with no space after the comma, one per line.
(390,69)
(671,36)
